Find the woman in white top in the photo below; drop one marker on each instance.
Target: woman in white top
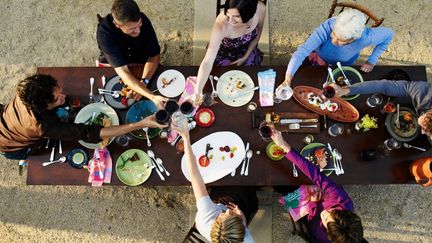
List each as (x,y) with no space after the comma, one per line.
(216,222)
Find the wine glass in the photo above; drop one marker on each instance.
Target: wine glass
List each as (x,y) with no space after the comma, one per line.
(374,100)
(265,131)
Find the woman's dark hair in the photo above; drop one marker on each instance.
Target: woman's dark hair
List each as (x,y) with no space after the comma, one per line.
(246,8)
(125,11)
(346,228)
(36,91)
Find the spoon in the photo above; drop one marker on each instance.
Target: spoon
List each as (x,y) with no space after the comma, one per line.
(159,161)
(152,156)
(61,160)
(214,93)
(249,156)
(60,147)
(145,129)
(295,126)
(414,147)
(113,93)
(343,73)
(397,117)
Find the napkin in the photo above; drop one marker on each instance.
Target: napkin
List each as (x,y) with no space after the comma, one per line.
(101,161)
(266,81)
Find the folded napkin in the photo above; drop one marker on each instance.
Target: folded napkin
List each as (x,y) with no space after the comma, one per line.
(266,81)
(100,164)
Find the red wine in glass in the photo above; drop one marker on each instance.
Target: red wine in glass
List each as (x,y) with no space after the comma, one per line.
(265,132)
(329,91)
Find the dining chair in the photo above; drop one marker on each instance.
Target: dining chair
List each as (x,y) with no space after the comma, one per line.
(193,236)
(220,4)
(97,61)
(300,228)
(361,8)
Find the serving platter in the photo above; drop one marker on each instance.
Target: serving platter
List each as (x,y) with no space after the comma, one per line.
(345,112)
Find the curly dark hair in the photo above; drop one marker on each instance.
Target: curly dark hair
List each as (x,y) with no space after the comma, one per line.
(125,11)
(346,228)
(36,91)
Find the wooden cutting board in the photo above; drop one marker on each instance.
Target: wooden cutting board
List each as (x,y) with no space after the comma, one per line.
(296,115)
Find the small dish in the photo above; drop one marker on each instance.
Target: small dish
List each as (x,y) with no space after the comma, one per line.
(77,158)
(274,152)
(204,117)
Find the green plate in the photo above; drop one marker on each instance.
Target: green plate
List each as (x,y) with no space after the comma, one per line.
(309,149)
(133,173)
(353,76)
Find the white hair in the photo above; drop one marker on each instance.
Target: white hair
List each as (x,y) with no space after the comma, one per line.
(350,24)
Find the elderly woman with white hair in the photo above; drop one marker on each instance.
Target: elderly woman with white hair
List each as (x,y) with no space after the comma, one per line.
(341,39)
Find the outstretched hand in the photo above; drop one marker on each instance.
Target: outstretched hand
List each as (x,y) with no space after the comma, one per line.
(279,140)
(150,121)
(367,67)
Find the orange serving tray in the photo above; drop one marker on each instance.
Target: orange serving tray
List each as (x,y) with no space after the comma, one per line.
(345,113)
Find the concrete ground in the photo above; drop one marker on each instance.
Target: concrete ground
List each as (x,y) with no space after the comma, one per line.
(62,33)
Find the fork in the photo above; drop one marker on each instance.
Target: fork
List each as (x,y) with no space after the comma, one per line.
(295,173)
(339,159)
(397,117)
(214,92)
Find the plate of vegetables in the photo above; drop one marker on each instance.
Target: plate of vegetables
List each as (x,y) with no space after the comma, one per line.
(319,155)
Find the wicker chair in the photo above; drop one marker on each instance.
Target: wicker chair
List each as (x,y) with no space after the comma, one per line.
(343,5)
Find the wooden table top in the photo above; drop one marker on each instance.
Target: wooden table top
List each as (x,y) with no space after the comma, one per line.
(263,172)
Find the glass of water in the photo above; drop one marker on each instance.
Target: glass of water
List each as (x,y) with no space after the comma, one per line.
(336,129)
(374,100)
(178,119)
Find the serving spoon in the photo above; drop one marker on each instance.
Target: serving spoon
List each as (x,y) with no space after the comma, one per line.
(414,147)
(346,81)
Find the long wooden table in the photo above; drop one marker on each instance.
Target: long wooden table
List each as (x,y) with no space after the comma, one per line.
(263,172)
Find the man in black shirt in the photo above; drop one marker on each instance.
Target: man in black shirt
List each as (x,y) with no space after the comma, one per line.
(127,36)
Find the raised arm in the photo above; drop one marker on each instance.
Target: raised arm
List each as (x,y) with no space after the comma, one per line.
(332,192)
(380,38)
(206,66)
(386,87)
(198,185)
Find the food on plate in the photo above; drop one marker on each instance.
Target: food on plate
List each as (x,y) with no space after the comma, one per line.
(205,117)
(99,119)
(134,157)
(240,84)
(320,154)
(332,107)
(204,161)
(340,81)
(166,82)
(408,117)
(314,99)
(274,152)
(406,122)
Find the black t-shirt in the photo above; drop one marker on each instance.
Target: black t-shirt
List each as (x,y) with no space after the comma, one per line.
(120,49)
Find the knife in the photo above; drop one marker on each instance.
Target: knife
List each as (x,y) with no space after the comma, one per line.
(333,157)
(244,92)
(244,160)
(289,121)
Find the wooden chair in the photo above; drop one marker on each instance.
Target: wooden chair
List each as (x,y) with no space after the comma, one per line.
(343,5)
(98,63)
(193,236)
(220,5)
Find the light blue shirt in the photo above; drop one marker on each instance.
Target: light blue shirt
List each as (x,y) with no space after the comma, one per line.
(320,41)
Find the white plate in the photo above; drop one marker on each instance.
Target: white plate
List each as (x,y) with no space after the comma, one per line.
(87,111)
(176,87)
(217,168)
(226,88)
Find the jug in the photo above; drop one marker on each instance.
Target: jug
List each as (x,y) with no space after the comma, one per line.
(421,169)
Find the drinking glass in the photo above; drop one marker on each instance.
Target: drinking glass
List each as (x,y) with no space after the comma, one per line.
(336,130)
(265,131)
(179,120)
(162,117)
(251,107)
(123,140)
(186,108)
(392,144)
(208,99)
(171,106)
(389,107)
(328,91)
(374,100)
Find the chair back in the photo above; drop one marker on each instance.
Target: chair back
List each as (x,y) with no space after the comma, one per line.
(193,236)
(421,169)
(220,4)
(343,5)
